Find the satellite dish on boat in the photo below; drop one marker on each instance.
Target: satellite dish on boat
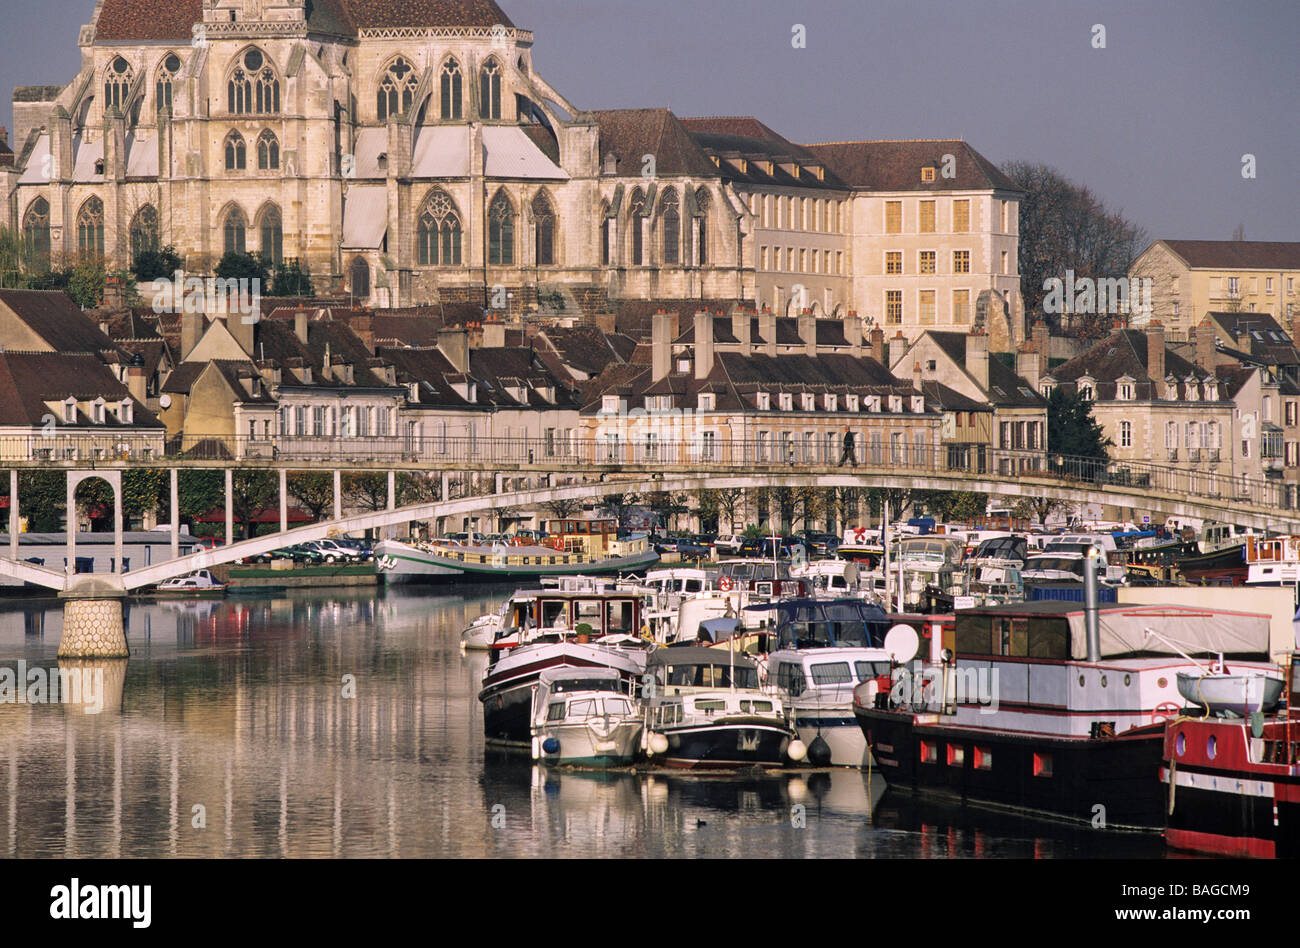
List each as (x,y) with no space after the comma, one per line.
(902,643)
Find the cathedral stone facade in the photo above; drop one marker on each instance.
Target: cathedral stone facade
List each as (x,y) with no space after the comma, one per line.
(407,152)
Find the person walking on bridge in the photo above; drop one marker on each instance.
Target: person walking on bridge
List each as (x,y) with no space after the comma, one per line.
(850,454)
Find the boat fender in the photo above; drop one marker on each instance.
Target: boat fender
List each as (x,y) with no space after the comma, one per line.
(537,748)
(819,752)
(658,744)
(551,746)
(797,751)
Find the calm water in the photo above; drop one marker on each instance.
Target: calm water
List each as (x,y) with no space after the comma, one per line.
(238,707)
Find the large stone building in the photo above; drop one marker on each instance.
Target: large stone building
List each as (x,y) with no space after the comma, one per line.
(1191,278)
(409,153)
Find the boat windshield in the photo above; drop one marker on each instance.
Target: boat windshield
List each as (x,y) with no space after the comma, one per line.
(1065,564)
(711,676)
(585,684)
(824,634)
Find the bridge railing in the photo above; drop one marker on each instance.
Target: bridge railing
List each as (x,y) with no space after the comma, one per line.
(1208,480)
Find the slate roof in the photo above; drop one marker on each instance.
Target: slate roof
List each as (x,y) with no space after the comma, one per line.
(632,133)
(1124,353)
(1238,254)
(585,348)
(30,379)
(747,137)
(53,316)
(1006,388)
(896,165)
(136,20)
(1268,342)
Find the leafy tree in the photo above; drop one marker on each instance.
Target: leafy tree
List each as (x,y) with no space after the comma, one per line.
(1064,226)
(314,491)
(243,266)
(1071,429)
(291,279)
(366,491)
(150,265)
(900,499)
(252,492)
(1040,508)
(414,488)
(729,501)
(42,500)
(953,505)
(86,284)
(665,505)
(199,492)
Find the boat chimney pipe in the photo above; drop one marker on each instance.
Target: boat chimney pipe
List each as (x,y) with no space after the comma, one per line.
(1090,603)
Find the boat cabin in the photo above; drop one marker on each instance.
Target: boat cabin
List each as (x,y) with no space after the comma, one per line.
(826,623)
(607,611)
(681,670)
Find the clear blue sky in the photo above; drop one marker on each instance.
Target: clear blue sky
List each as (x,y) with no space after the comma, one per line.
(1156,123)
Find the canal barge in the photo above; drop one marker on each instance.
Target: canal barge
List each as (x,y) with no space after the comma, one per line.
(1051,708)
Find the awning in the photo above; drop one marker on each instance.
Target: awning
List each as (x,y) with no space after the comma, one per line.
(365,216)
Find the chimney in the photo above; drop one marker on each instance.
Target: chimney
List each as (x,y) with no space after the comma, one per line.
(364,329)
(135,382)
(1029,365)
(661,346)
(454,344)
(191,332)
(241,328)
(1202,337)
(977,359)
(878,346)
(897,346)
(1043,342)
(703,345)
(808,332)
(767,329)
(741,322)
(853,333)
(916,375)
(1156,351)
(494,335)
(300,325)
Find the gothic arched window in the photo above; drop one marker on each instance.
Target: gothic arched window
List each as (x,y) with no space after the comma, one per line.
(272,235)
(671,220)
(604,234)
(501,231)
(36,229)
(489,99)
(438,232)
(636,211)
(397,89)
(144,231)
(167,72)
(90,228)
(451,90)
(268,151)
(117,83)
(544,231)
(253,88)
(360,273)
(236,152)
(235,231)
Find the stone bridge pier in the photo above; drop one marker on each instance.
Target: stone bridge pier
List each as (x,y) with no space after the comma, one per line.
(92,619)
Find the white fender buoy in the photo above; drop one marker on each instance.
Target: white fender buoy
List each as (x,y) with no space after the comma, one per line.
(797,750)
(658,743)
(537,748)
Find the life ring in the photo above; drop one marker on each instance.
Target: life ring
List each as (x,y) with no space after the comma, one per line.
(1165,711)
(724,583)
(859,535)
(518,541)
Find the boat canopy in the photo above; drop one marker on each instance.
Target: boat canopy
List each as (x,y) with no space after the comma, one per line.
(551,675)
(696,655)
(1195,631)
(825,623)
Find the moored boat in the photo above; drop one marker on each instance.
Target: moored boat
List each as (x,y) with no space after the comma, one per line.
(199,584)
(585,717)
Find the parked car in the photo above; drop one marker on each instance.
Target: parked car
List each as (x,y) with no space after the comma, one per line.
(364,548)
(820,544)
(694,547)
(303,554)
(331,551)
(664,544)
(780,547)
(729,544)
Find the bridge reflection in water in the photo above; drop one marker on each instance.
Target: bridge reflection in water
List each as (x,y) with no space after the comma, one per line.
(240,707)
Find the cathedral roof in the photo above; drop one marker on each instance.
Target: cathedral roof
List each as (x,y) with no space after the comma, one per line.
(630,134)
(145,20)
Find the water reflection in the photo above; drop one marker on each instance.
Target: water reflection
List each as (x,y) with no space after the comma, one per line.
(347,724)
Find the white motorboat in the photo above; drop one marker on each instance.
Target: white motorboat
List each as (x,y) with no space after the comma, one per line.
(585,717)
(199,583)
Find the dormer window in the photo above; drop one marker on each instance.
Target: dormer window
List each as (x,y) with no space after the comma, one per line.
(1086,389)
(413,392)
(1211,392)
(927,173)
(895,403)
(851,402)
(97,411)
(609,405)
(1125,391)
(786,401)
(809,401)
(126,411)
(1171,390)
(707,401)
(764,401)
(831,402)
(69,410)
(1193,391)
(918,404)
(99,167)
(683,365)
(873,403)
